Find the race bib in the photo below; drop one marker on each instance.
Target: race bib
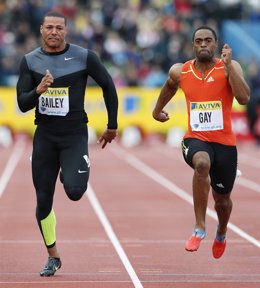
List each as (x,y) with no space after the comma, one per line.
(206,116)
(54,101)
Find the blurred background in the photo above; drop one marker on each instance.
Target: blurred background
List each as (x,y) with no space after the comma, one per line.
(138,41)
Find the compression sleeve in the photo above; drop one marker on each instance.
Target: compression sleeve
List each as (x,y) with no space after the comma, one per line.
(99,73)
(27,97)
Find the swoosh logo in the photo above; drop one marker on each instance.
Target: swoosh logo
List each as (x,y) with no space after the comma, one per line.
(82,171)
(70,58)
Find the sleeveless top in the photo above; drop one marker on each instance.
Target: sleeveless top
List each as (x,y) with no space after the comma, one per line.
(209,103)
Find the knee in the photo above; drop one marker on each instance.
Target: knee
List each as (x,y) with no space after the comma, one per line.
(75,193)
(202,167)
(42,198)
(44,204)
(223,203)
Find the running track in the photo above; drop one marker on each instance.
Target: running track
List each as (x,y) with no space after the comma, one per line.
(130,228)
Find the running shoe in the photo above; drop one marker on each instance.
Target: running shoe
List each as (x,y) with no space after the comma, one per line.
(193,243)
(52,265)
(218,248)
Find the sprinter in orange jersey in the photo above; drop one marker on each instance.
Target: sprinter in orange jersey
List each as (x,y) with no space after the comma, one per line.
(209,146)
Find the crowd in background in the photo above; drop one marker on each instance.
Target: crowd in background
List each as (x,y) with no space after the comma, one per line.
(137,40)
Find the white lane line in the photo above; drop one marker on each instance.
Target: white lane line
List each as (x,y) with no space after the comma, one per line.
(247,160)
(242,181)
(112,236)
(154,175)
(105,242)
(11,164)
(248,184)
(51,283)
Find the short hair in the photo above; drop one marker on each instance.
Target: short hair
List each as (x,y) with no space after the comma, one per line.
(206,28)
(55,14)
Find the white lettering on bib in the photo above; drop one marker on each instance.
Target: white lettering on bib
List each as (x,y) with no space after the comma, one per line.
(206,116)
(54,101)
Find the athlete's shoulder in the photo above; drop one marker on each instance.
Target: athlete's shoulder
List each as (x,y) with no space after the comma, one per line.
(77,50)
(31,57)
(187,65)
(176,68)
(75,47)
(33,53)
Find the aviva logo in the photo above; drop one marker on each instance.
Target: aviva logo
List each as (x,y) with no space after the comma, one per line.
(56,92)
(211,105)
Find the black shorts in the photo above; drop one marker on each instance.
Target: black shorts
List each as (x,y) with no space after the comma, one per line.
(223,160)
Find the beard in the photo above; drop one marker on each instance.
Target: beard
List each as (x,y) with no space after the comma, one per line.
(204,56)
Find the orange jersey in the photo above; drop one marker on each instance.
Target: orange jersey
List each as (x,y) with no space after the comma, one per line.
(209,103)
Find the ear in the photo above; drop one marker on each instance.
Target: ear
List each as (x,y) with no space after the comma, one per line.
(41,29)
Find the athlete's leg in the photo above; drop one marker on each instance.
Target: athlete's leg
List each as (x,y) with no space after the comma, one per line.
(75,165)
(45,167)
(201,187)
(223,174)
(223,207)
(199,155)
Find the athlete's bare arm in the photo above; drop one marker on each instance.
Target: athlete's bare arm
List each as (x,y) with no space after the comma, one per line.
(240,89)
(168,90)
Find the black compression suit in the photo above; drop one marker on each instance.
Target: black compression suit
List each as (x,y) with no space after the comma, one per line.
(61,137)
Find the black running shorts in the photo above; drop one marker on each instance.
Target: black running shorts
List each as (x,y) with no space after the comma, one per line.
(223,162)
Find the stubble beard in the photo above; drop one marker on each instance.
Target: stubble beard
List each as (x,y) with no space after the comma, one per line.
(204,58)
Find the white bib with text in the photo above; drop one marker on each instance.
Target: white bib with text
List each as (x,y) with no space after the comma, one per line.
(54,101)
(206,116)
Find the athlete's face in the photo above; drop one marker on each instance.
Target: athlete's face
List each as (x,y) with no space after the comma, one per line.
(53,32)
(204,45)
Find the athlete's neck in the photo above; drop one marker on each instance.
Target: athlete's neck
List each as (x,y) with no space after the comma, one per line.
(204,66)
(50,49)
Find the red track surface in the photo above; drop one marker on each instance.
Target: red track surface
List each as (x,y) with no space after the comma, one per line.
(131,228)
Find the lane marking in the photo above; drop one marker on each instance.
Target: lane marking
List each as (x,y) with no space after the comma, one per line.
(16,155)
(154,175)
(247,160)
(182,279)
(104,242)
(244,182)
(112,236)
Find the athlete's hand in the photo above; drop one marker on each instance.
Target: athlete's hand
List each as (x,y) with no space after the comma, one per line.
(46,82)
(162,116)
(107,137)
(226,55)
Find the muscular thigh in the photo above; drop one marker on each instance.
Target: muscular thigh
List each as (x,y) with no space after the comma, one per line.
(224,167)
(190,146)
(45,161)
(223,161)
(74,159)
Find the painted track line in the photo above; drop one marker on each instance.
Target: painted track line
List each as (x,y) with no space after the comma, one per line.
(11,164)
(249,184)
(155,176)
(242,181)
(112,236)
(248,160)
